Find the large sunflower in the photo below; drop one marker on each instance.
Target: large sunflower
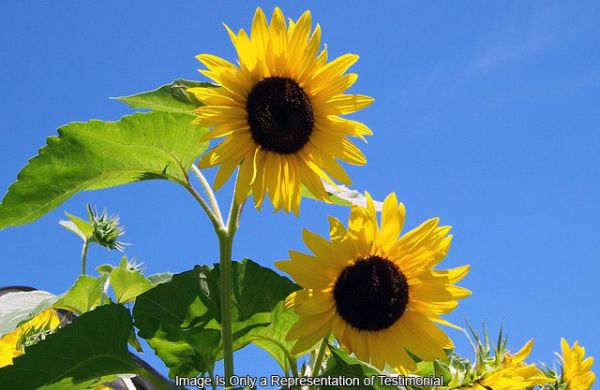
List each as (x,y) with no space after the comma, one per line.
(513,373)
(577,371)
(378,293)
(279,112)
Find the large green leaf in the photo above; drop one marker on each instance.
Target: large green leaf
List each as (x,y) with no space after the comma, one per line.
(90,350)
(128,284)
(84,295)
(186,332)
(169,98)
(272,338)
(97,154)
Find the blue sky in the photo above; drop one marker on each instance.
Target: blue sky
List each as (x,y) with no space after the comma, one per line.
(486,115)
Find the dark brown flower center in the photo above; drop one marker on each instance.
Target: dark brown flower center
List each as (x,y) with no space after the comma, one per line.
(371,294)
(280,115)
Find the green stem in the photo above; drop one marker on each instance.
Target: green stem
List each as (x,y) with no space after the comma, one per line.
(225,249)
(226,246)
(217,223)
(209,192)
(294,367)
(84,251)
(211,375)
(233,222)
(319,360)
(225,234)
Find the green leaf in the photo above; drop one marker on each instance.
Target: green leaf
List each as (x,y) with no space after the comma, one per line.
(460,369)
(97,154)
(436,368)
(159,278)
(104,269)
(186,332)
(168,98)
(441,369)
(340,363)
(19,306)
(425,368)
(272,337)
(134,342)
(90,350)
(83,296)
(128,284)
(82,228)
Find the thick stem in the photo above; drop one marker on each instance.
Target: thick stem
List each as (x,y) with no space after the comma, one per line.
(84,251)
(225,234)
(225,246)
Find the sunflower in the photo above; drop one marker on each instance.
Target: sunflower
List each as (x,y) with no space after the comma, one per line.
(376,291)
(577,371)
(279,112)
(513,373)
(13,344)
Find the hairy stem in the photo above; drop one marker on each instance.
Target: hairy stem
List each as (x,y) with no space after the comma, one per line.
(209,192)
(84,251)
(214,219)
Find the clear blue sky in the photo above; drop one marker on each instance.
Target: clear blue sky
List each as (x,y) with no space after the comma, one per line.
(486,115)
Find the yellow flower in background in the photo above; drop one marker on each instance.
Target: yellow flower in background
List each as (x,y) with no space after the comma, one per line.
(13,344)
(8,351)
(377,291)
(279,112)
(577,371)
(514,373)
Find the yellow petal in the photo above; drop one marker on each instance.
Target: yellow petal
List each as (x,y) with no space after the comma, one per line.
(344,104)
(260,31)
(392,220)
(317,302)
(278,32)
(308,325)
(214,63)
(307,274)
(245,178)
(342,244)
(523,352)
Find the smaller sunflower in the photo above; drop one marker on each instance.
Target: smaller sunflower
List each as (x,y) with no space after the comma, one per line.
(576,371)
(379,293)
(279,112)
(513,373)
(13,344)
